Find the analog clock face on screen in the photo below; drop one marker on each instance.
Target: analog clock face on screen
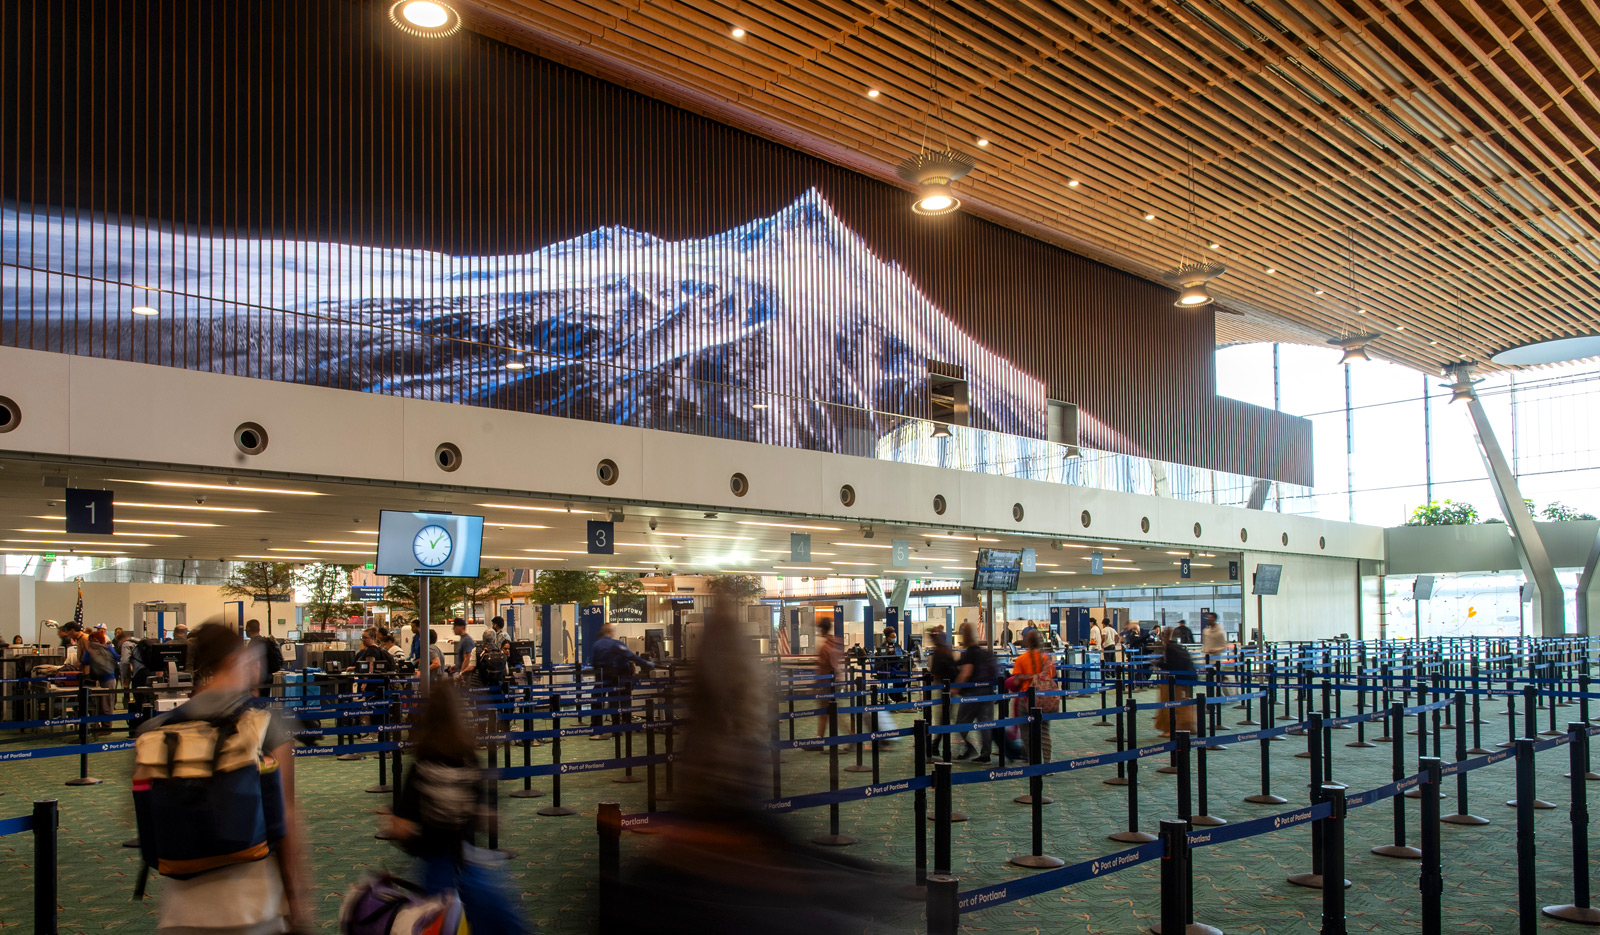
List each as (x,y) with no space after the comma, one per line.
(432,546)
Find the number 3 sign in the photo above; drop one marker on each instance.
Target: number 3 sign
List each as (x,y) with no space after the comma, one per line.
(601,540)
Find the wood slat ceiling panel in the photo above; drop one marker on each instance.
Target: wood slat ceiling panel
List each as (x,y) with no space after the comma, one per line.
(1451,145)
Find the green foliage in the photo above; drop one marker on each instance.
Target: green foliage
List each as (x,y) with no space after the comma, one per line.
(738,588)
(1558,512)
(566,587)
(403,593)
(623,589)
(490,585)
(251,578)
(1446,513)
(329,585)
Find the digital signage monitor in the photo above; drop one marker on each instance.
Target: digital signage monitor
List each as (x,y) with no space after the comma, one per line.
(435,545)
(997,570)
(1267,577)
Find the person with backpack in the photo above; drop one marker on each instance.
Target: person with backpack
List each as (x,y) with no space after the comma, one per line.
(442,803)
(270,653)
(496,635)
(613,665)
(1035,668)
(942,665)
(102,669)
(978,665)
(214,799)
(492,665)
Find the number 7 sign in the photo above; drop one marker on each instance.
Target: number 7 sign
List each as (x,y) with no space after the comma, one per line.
(602,540)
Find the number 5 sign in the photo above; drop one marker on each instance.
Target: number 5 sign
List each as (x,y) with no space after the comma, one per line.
(89,511)
(601,539)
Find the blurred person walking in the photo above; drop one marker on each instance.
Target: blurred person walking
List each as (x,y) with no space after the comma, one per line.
(256,892)
(442,804)
(1174,659)
(977,665)
(829,670)
(1035,668)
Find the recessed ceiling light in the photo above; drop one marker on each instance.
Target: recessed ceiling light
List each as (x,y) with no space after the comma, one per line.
(1318,292)
(186,506)
(1434,343)
(786,552)
(758,405)
(369,532)
(495,523)
(425,17)
(1270,271)
(535,509)
(983,142)
(737,33)
(280,558)
(75,542)
(557,551)
(1361,311)
(872,93)
(516,365)
(334,542)
(1216,246)
(940,535)
(1072,183)
(1399,327)
(862,545)
(329,551)
(144,310)
(185,485)
(1149,217)
(753,522)
(862,564)
(803,567)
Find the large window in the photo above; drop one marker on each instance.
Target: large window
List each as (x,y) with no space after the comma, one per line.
(1388,440)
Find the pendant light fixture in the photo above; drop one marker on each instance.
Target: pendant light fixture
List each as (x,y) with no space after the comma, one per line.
(1354,345)
(425,18)
(934,172)
(1462,386)
(1191,276)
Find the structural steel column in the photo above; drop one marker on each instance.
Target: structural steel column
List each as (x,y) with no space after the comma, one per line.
(1587,600)
(1548,600)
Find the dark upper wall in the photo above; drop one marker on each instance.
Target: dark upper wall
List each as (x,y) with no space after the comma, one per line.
(316,121)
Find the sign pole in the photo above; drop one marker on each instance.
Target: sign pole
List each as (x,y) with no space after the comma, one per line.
(425,654)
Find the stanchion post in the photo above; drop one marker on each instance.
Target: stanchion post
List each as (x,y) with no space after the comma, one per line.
(1334,883)
(941,821)
(944,909)
(833,838)
(1121,778)
(650,754)
(46,875)
(1578,910)
(1174,876)
(1527,904)
(608,822)
(1266,795)
(1431,881)
(555,807)
(383,735)
(1133,835)
(83,778)
(1037,859)
(1399,848)
(1462,816)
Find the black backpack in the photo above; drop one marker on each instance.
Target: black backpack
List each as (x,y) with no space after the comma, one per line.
(491,667)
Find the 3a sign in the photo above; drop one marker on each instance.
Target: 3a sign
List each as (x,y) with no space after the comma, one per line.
(602,537)
(89,511)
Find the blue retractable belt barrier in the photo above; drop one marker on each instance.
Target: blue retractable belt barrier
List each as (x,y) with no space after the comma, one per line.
(16,825)
(1248,829)
(986,896)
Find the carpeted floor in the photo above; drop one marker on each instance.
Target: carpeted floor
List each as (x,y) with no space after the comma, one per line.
(1239,887)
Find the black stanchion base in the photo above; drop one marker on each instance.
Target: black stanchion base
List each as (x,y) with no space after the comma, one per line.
(1247,722)
(1028,800)
(555,810)
(1102,724)
(1168,770)
(1463,820)
(856,768)
(1583,915)
(1476,720)
(131,842)
(627,779)
(1266,798)
(1115,781)
(1303,755)
(1311,881)
(529,793)
(1383,739)
(380,790)
(84,781)
(1133,837)
(1207,821)
(350,757)
(1219,748)
(1478,751)
(1538,804)
(1193,928)
(1552,733)
(598,737)
(913,893)
(1361,744)
(1591,777)
(954,817)
(1415,792)
(1399,851)
(1037,862)
(1505,744)
(1277,738)
(833,840)
(1341,727)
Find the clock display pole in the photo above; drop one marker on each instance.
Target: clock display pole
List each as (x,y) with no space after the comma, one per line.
(425,656)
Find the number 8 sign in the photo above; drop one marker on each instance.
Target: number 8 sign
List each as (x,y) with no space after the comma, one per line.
(601,539)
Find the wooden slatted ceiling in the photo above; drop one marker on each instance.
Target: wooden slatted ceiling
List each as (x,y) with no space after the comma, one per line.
(1452,142)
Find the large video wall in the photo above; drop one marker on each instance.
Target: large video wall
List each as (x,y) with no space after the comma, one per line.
(300,192)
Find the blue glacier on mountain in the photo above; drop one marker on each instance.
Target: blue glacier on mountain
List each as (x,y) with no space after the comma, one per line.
(788,329)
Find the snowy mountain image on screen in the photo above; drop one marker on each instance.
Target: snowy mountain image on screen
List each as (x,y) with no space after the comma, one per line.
(785,330)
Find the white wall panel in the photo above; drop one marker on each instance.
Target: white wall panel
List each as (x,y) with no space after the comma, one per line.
(1316,598)
(40,383)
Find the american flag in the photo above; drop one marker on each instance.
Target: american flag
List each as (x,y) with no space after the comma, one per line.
(77,613)
(783,640)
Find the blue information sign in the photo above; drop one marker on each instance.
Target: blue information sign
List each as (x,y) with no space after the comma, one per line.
(1183,568)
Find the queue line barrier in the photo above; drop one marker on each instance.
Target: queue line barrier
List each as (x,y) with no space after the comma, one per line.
(44,823)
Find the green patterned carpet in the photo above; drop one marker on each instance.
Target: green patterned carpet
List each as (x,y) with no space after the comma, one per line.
(1239,886)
